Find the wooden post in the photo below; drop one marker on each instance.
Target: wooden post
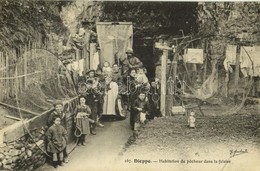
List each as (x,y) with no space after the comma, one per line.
(237,69)
(25,66)
(164,63)
(226,84)
(163,80)
(205,69)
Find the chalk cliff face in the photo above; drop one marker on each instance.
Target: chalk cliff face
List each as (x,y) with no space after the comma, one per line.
(78,11)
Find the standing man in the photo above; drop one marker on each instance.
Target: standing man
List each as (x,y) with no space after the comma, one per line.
(91,96)
(130,62)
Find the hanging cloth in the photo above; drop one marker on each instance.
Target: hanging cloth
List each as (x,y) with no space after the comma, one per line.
(114,40)
(95,61)
(230,57)
(246,55)
(194,56)
(81,67)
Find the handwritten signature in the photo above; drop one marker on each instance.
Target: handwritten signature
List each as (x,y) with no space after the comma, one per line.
(234,153)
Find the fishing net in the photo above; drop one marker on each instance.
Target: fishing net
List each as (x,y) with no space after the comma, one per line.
(41,79)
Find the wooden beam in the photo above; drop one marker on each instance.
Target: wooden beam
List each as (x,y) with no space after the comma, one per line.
(237,69)
(115,23)
(162,47)
(16,108)
(12,117)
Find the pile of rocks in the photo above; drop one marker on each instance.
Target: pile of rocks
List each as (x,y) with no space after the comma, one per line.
(25,153)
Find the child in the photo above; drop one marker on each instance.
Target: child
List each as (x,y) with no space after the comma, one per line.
(57,141)
(141,77)
(107,70)
(58,111)
(154,99)
(82,120)
(141,109)
(131,95)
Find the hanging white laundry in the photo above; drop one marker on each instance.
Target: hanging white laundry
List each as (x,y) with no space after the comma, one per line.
(81,67)
(194,56)
(69,66)
(230,57)
(246,55)
(75,66)
(95,61)
(257,61)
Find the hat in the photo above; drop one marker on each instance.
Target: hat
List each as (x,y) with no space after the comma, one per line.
(92,70)
(58,102)
(129,50)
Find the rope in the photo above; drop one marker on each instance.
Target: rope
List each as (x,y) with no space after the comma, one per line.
(80,132)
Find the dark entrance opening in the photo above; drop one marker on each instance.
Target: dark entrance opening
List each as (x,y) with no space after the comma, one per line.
(143,48)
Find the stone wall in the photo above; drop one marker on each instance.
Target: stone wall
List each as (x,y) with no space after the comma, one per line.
(21,150)
(24,153)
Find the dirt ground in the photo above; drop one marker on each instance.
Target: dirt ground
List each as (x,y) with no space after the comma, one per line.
(217,143)
(101,150)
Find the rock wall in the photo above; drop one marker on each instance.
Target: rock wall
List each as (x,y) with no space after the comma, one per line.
(24,151)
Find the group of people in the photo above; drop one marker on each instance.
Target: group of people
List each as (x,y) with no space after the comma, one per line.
(111,89)
(105,91)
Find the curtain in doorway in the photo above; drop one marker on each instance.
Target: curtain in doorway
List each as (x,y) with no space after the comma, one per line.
(113,38)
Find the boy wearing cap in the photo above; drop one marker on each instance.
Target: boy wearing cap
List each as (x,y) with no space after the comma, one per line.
(57,137)
(59,112)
